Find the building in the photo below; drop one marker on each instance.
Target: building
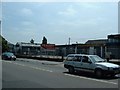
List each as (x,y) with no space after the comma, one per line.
(22,48)
(113,46)
(104,48)
(48,49)
(97,47)
(90,47)
(64,50)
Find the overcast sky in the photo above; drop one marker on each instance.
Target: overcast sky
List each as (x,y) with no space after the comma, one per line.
(57,21)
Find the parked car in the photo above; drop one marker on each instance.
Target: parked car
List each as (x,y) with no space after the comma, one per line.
(90,63)
(8,56)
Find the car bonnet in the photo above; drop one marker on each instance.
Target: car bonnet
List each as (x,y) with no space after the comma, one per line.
(107,64)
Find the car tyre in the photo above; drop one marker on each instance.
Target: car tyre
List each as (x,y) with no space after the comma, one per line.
(71,69)
(112,75)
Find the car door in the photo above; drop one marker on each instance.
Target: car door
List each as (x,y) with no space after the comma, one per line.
(77,62)
(87,64)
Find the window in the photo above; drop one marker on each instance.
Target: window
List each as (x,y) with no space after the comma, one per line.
(70,58)
(77,58)
(85,59)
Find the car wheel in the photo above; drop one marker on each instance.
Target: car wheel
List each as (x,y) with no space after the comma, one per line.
(112,75)
(71,70)
(98,73)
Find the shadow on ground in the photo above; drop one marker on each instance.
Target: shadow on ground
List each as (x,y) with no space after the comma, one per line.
(92,75)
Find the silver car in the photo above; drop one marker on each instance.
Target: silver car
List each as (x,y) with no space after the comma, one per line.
(90,63)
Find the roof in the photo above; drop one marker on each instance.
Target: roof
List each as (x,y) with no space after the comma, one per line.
(48,46)
(117,36)
(29,44)
(80,55)
(100,41)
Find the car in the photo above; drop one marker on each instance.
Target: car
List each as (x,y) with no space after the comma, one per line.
(91,63)
(8,56)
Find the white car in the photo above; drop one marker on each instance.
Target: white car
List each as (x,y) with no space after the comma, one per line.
(90,63)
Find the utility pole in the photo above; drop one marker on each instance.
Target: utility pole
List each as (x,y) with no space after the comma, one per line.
(69,41)
(76,47)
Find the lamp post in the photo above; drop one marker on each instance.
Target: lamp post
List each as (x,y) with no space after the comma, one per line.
(76,47)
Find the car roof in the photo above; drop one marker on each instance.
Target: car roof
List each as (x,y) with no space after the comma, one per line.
(80,55)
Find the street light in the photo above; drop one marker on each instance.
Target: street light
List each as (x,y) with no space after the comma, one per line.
(76,48)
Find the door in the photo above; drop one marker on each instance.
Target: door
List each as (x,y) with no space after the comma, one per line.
(77,62)
(87,64)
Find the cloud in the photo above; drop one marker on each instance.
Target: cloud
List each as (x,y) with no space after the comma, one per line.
(70,11)
(26,12)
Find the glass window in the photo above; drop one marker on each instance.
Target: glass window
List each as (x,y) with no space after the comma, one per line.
(85,59)
(77,58)
(70,58)
(96,58)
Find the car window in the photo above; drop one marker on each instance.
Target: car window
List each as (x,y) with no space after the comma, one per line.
(85,59)
(77,58)
(70,58)
(8,54)
(96,58)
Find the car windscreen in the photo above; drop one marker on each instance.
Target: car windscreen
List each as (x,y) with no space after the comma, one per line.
(96,58)
(9,54)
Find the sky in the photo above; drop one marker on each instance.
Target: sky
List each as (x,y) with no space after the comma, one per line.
(58,21)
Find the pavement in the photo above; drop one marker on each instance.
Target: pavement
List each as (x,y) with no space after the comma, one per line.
(116,61)
(41,61)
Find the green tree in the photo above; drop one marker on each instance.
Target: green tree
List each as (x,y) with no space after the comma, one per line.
(4,44)
(44,41)
(32,41)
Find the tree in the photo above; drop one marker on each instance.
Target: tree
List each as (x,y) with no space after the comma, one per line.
(44,41)
(32,41)
(4,44)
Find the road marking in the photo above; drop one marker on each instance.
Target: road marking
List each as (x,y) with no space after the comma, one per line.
(91,79)
(19,64)
(40,69)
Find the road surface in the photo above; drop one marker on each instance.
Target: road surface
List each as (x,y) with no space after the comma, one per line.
(28,73)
